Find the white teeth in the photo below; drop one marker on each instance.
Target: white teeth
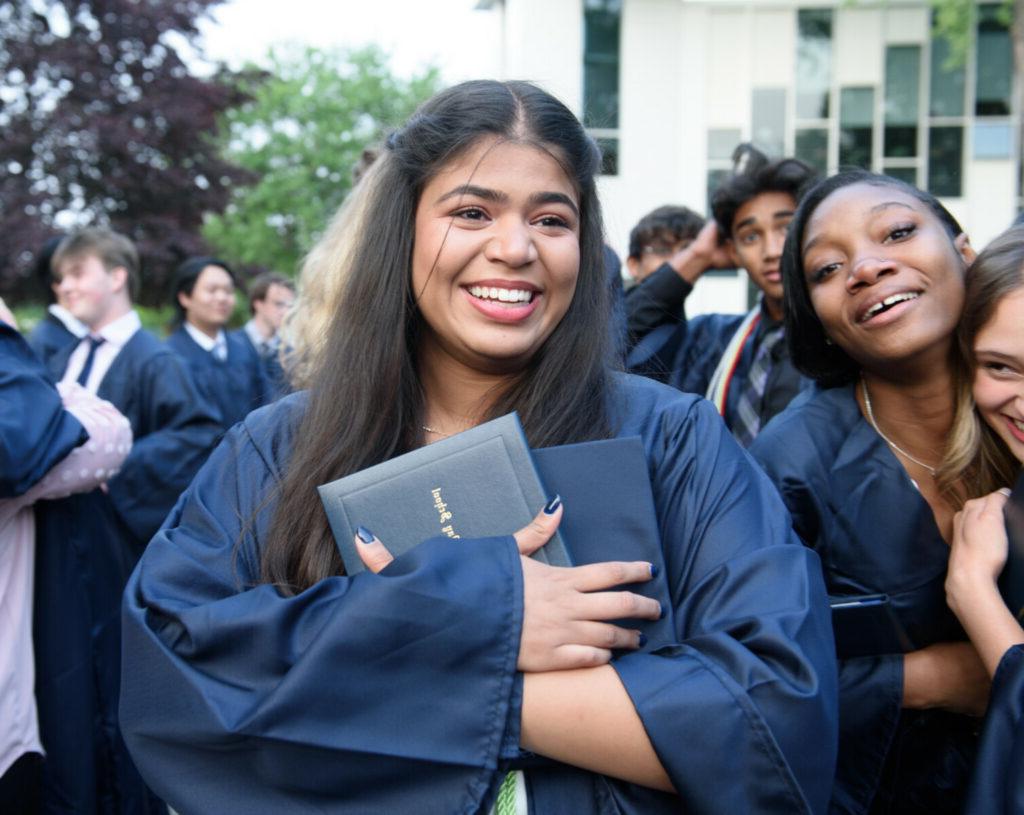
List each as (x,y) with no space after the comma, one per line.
(1018,424)
(891,300)
(502,295)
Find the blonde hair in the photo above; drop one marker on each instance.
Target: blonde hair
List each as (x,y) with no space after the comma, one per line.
(976,460)
(321,282)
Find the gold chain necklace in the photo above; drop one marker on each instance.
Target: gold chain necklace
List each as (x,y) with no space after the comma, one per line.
(886,439)
(435,432)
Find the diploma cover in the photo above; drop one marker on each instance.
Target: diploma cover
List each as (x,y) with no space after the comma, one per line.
(1011,581)
(476,484)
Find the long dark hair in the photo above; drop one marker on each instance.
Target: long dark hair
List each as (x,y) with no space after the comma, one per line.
(811,352)
(365,405)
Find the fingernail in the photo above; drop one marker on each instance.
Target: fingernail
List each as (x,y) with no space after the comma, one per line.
(661,611)
(643,640)
(552,505)
(654,570)
(364,534)
(1005,491)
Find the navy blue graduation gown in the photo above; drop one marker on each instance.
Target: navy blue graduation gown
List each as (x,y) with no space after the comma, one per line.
(237,384)
(174,430)
(398,692)
(36,433)
(277,384)
(855,505)
(50,337)
(997,787)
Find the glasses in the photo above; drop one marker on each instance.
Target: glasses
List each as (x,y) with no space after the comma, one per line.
(662,250)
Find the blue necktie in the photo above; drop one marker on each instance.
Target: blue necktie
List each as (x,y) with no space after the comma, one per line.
(94,343)
(748,408)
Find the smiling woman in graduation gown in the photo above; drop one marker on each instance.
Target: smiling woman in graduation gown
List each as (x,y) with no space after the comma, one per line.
(419,688)
(873,271)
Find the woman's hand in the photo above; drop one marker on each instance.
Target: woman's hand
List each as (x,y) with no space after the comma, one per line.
(565,610)
(947,675)
(978,552)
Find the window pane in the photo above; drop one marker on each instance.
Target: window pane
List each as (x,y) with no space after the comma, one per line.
(995,65)
(945,160)
(902,83)
(721,143)
(609,156)
(947,85)
(812,147)
(908,174)
(601,63)
(768,120)
(856,114)
(992,140)
(813,63)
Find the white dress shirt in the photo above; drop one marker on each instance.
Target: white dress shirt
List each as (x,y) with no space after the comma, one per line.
(116,336)
(217,346)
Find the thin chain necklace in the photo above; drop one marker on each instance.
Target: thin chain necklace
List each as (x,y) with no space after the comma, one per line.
(435,432)
(886,439)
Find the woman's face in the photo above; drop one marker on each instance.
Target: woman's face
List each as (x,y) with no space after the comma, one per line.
(496,255)
(999,376)
(883,274)
(212,300)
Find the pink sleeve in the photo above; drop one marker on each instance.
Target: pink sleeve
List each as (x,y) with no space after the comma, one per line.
(95,462)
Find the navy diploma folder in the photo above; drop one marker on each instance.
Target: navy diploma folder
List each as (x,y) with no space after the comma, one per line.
(1011,581)
(476,484)
(866,625)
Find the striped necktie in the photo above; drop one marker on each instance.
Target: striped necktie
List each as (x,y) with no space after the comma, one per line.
(751,401)
(94,343)
(505,804)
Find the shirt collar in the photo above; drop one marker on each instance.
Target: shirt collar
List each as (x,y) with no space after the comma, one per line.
(204,341)
(121,330)
(68,320)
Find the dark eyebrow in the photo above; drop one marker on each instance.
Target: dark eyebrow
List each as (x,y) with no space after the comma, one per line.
(888,204)
(500,197)
(784,213)
(991,352)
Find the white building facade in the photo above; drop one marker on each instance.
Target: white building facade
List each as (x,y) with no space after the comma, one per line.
(669,87)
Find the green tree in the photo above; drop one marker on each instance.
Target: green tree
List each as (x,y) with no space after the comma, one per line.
(302,131)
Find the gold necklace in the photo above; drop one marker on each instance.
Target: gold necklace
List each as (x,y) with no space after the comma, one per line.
(886,439)
(435,432)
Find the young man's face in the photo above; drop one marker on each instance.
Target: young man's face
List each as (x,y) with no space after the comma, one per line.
(272,308)
(653,254)
(758,234)
(88,290)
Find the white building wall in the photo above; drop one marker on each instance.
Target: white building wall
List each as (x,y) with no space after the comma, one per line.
(687,66)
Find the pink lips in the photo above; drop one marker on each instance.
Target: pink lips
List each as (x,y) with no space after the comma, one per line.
(1014,430)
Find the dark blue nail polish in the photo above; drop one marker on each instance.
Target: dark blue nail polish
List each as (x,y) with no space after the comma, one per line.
(643,639)
(364,534)
(552,505)
(654,570)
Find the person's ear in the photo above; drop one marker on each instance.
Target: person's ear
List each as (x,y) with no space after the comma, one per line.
(184,300)
(730,248)
(119,274)
(963,246)
(633,266)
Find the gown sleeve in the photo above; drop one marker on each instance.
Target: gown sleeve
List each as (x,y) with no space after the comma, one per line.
(35,430)
(741,709)
(997,785)
(870,687)
(376,693)
(175,430)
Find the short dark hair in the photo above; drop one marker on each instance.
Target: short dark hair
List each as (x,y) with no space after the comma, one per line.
(261,284)
(669,224)
(810,350)
(185,277)
(112,248)
(752,175)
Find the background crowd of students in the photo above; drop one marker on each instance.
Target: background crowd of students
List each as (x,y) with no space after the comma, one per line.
(872,407)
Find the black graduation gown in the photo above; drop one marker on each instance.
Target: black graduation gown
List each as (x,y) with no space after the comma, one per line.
(49,337)
(997,787)
(398,692)
(237,385)
(87,546)
(853,503)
